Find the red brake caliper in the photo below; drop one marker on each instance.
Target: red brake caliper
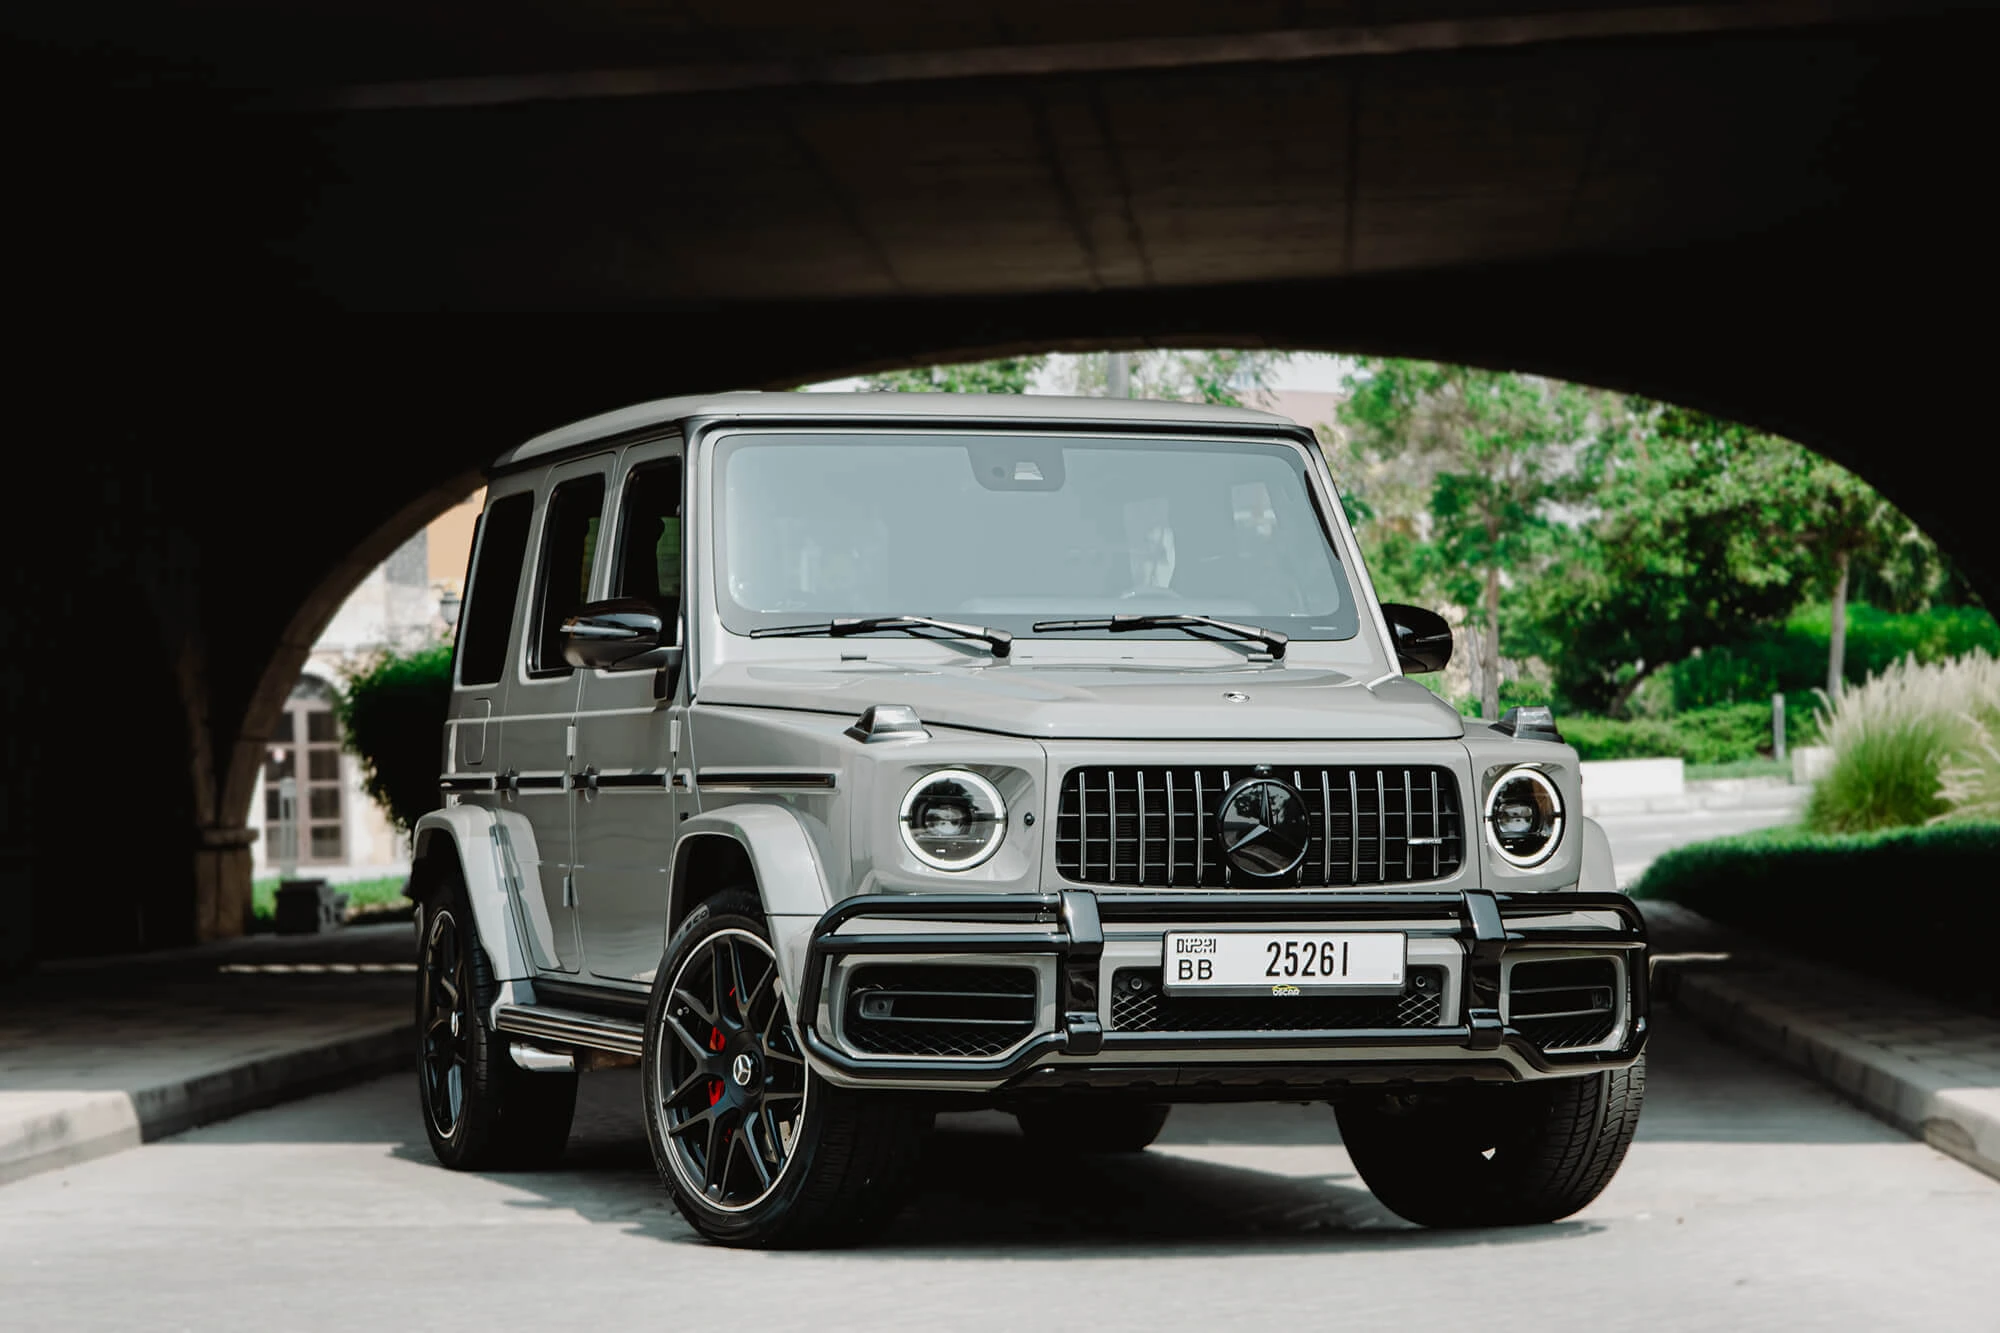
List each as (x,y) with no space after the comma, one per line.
(715,1043)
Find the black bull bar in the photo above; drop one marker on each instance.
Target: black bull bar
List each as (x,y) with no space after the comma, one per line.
(1485,923)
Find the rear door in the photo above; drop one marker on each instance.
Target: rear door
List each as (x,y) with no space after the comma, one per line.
(630,727)
(539,721)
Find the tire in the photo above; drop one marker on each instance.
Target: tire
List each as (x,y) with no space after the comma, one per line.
(756,1149)
(482,1112)
(1093,1125)
(1512,1155)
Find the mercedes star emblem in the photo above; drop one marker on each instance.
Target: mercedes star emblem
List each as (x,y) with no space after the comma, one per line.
(1236,696)
(743,1069)
(1264,827)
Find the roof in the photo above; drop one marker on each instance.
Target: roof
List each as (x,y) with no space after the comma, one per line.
(1049,408)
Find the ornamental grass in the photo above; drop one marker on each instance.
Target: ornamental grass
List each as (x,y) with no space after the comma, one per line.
(1914,744)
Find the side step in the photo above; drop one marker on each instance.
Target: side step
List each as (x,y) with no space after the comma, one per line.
(572,1027)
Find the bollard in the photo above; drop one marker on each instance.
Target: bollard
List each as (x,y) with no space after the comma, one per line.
(1778,727)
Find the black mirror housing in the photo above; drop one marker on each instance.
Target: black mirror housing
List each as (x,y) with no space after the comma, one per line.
(622,634)
(1422,638)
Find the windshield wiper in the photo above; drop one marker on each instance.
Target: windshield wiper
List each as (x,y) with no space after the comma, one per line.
(1270,638)
(841,626)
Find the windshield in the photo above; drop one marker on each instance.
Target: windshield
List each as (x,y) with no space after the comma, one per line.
(1005,530)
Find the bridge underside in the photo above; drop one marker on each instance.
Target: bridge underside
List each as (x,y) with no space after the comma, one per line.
(1754,208)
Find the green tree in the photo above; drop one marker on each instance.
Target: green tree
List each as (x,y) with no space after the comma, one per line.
(1704,529)
(1846,523)
(1011,374)
(1492,455)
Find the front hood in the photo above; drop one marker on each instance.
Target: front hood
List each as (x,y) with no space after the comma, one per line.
(1051,702)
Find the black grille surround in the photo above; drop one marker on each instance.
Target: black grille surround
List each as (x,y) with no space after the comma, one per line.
(1139,1005)
(1155,827)
(939,1011)
(1563,1003)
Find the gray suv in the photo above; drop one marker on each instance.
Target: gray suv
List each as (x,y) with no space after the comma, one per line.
(840,759)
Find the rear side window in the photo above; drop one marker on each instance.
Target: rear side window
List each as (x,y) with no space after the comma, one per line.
(569,543)
(496,580)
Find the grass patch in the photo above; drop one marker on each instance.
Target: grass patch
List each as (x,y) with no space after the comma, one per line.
(1741,768)
(384,892)
(1911,906)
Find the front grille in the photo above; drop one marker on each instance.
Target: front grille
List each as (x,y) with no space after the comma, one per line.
(939,1011)
(1139,1005)
(1564,1003)
(1156,828)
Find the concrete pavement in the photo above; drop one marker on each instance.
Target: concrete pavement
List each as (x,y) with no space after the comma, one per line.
(98,1055)
(1930,1069)
(1752,1200)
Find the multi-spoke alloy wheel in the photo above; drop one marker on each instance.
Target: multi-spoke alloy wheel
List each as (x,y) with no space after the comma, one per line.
(756,1148)
(730,1077)
(481,1110)
(446,1024)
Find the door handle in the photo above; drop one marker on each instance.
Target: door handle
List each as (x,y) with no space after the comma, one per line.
(586,782)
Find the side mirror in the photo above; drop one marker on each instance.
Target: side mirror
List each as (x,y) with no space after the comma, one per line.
(1422,638)
(619,635)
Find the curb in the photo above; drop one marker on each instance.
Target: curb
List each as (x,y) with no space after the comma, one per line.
(1920,1101)
(42,1131)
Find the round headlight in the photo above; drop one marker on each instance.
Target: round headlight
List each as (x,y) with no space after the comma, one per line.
(953,820)
(1524,817)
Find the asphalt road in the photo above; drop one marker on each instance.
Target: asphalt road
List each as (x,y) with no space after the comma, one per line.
(1752,1200)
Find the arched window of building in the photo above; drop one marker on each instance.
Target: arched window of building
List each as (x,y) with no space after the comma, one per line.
(304,812)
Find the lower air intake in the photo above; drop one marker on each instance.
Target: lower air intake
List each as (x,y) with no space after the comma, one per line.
(1565,1003)
(939,1011)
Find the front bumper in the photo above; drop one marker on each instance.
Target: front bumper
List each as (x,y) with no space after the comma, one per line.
(1478,935)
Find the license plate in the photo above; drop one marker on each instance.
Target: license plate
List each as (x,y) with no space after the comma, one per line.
(1242,962)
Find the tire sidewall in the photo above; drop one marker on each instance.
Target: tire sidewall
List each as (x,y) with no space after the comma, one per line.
(729,911)
(470,1129)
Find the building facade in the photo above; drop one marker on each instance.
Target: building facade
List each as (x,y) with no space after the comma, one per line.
(309,809)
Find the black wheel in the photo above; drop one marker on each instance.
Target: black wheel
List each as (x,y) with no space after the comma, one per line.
(757,1149)
(481,1110)
(1501,1156)
(1093,1125)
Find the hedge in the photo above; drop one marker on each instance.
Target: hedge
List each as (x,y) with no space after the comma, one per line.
(1916,907)
(1700,736)
(393,712)
(1792,656)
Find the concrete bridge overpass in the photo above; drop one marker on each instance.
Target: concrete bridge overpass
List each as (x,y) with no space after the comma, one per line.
(1764,209)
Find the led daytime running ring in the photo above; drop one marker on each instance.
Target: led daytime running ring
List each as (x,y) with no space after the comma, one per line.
(1548,849)
(979,785)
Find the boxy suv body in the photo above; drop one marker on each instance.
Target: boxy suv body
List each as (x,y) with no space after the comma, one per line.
(844,758)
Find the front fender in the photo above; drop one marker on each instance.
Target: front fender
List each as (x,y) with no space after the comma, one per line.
(1598,875)
(790,878)
(490,847)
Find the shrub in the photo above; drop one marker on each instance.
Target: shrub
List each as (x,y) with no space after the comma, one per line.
(1729,734)
(1873,902)
(1895,737)
(393,712)
(1792,656)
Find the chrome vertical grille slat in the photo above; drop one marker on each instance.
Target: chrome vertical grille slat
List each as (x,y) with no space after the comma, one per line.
(1353,827)
(1158,829)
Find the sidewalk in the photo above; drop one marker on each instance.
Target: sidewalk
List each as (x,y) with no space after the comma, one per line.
(1927,1068)
(98,1055)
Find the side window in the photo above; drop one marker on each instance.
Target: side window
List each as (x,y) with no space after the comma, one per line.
(496,580)
(649,538)
(569,543)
